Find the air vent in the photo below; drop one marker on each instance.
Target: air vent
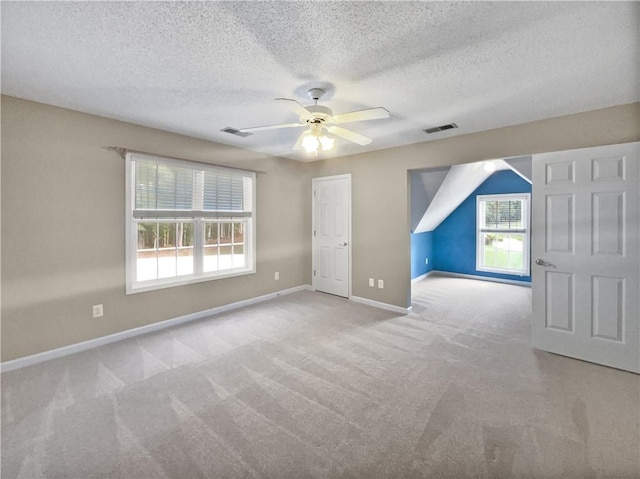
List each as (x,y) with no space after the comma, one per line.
(436,129)
(236,132)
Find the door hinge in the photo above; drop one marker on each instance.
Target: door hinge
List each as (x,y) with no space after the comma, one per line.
(314,272)
(314,193)
(314,232)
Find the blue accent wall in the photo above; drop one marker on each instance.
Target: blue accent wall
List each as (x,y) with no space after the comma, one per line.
(421,248)
(454,240)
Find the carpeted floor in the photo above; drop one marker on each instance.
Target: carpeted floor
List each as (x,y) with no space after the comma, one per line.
(311,385)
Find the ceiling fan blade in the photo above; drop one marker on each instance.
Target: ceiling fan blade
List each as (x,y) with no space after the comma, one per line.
(370,114)
(272,127)
(349,135)
(297,108)
(298,145)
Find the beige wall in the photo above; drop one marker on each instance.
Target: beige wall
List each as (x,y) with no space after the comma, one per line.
(63,228)
(380,195)
(63,223)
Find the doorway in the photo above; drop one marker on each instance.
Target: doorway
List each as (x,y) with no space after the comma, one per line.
(455,230)
(585,271)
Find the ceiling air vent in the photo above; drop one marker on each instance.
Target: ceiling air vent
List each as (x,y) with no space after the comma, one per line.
(436,129)
(236,132)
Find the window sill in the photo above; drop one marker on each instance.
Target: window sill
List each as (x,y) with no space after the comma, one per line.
(183,281)
(510,272)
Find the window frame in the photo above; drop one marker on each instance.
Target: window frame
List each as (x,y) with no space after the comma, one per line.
(525,231)
(133,286)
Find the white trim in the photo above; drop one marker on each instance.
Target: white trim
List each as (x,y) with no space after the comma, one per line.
(526,284)
(526,218)
(130,333)
(379,305)
(422,276)
(130,254)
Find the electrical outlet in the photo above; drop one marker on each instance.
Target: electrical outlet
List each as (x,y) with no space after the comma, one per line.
(98,310)
(426,261)
(380,284)
(372,282)
(276,275)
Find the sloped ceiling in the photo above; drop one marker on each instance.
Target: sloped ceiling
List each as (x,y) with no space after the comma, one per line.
(424,187)
(437,192)
(522,166)
(197,67)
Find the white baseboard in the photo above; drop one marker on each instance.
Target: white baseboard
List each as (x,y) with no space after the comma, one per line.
(482,278)
(377,304)
(112,338)
(422,276)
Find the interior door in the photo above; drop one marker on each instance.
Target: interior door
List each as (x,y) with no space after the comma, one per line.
(585,246)
(331,234)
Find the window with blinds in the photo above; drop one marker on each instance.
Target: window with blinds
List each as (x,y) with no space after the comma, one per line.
(503,234)
(188,222)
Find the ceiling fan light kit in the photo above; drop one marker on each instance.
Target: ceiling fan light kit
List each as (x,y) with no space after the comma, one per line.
(314,141)
(320,118)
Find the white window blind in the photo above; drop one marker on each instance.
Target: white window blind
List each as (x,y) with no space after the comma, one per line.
(502,214)
(167,188)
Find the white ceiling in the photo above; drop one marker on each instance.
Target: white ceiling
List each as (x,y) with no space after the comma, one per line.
(197,67)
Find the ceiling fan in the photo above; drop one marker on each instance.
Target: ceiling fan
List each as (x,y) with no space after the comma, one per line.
(322,124)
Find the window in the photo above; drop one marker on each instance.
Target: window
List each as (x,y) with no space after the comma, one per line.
(503,234)
(187,222)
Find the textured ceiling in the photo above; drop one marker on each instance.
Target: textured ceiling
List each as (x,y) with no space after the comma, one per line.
(197,67)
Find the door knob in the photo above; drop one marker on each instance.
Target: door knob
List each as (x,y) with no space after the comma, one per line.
(541,262)
(343,244)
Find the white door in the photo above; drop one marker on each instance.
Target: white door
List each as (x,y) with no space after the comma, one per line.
(331,234)
(585,275)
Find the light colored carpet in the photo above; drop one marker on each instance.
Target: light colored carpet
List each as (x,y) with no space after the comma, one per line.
(310,385)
